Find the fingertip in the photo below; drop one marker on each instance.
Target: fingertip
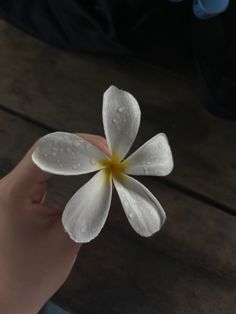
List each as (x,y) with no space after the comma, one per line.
(96,140)
(27,171)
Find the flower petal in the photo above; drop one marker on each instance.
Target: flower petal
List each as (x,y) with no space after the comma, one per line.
(86,212)
(67,154)
(154,158)
(142,209)
(121,120)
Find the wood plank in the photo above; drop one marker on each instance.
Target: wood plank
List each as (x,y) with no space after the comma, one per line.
(193,233)
(118,277)
(189,267)
(64,91)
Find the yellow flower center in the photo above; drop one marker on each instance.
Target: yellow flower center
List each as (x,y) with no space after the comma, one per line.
(114,168)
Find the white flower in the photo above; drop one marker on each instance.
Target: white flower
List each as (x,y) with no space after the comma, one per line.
(68,154)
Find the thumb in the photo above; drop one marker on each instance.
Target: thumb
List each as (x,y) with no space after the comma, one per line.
(28,172)
(26,180)
(29,179)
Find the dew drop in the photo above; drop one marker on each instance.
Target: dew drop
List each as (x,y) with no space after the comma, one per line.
(92,161)
(130,215)
(121,109)
(66,137)
(125,203)
(83,228)
(114,121)
(123,194)
(148,162)
(59,163)
(74,167)
(138,198)
(76,143)
(87,145)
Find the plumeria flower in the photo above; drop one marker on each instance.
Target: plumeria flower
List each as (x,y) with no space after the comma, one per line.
(68,154)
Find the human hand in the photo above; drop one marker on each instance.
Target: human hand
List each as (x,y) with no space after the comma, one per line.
(36,254)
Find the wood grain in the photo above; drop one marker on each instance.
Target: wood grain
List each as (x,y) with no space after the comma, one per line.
(114,275)
(188,267)
(64,91)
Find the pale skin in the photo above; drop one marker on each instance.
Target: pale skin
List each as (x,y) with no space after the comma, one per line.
(36,255)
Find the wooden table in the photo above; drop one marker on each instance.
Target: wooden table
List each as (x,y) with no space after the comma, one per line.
(190,265)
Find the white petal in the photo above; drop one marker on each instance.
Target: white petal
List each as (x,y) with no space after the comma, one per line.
(121,120)
(142,209)
(86,212)
(154,158)
(67,154)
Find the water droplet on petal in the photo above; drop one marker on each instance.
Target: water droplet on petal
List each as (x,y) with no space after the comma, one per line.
(83,228)
(87,145)
(74,167)
(92,161)
(130,215)
(121,109)
(59,163)
(76,143)
(125,203)
(148,162)
(65,136)
(114,121)
(138,198)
